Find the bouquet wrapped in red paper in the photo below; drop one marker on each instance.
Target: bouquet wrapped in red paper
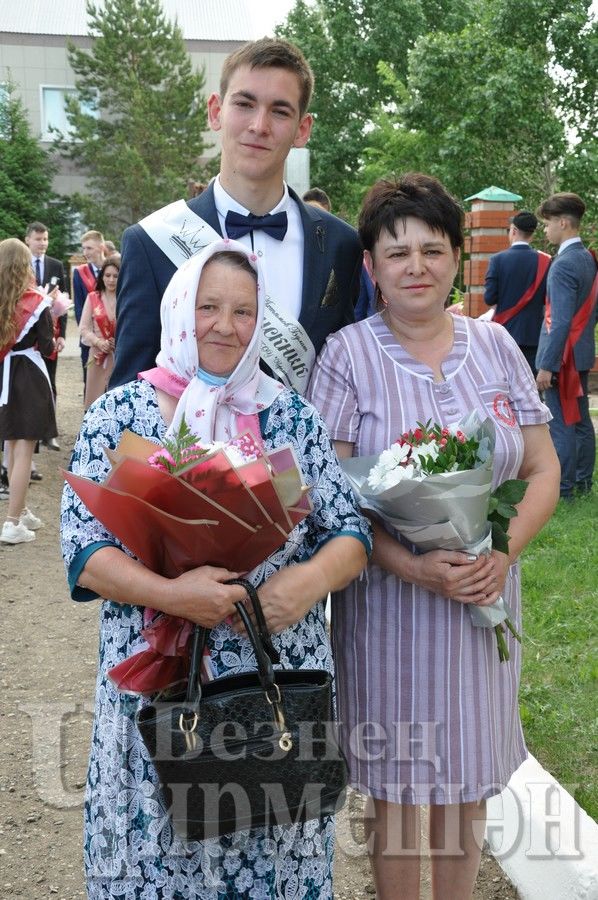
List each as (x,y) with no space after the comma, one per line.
(225,504)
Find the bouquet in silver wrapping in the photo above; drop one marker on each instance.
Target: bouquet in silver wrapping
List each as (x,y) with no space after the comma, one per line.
(434,486)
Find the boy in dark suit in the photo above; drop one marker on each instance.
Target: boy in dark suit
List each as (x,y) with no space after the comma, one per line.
(567,350)
(312,260)
(84,280)
(516,286)
(45,268)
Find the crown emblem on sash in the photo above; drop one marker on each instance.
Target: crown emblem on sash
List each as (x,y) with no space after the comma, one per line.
(189,239)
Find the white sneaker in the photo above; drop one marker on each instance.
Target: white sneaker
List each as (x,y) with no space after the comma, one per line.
(30,521)
(16,534)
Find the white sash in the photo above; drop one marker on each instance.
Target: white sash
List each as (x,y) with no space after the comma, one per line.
(286,347)
(33,354)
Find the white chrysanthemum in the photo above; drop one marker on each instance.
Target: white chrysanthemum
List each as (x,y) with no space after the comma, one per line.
(430,450)
(376,477)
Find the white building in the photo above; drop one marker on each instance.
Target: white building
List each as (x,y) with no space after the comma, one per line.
(33,54)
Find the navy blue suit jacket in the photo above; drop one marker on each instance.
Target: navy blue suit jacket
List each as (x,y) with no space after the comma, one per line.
(510,273)
(332,259)
(53,267)
(570,278)
(80,291)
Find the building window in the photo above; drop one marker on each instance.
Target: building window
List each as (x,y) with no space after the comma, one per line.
(53,109)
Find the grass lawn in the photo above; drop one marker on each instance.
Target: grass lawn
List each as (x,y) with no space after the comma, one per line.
(559,682)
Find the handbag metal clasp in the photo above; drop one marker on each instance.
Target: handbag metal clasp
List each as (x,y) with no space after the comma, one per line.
(285,741)
(188,726)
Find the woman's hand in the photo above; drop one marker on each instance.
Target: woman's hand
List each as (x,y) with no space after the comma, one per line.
(201,596)
(501,565)
(454,575)
(104,345)
(288,595)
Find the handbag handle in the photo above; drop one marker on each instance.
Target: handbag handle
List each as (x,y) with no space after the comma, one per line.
(264,668)
(259,618)
(264,662)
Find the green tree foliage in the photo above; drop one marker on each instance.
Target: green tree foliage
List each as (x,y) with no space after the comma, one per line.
(477,93)
(344,40)
(138,116)
(487,110)
(26,172)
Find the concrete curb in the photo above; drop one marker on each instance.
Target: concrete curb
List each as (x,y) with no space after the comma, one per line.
(545,843)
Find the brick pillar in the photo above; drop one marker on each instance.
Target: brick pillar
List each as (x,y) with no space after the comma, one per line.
(488,224)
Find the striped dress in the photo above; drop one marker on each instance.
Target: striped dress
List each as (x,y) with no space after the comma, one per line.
(428,713)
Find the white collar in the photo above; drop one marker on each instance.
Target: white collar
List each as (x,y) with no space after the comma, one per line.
(520,244)
(567,243)
(224,202)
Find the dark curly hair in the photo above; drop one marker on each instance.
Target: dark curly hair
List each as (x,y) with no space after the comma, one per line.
(412,195)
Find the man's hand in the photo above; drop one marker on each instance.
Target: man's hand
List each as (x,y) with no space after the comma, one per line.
(60,344)
(543,379)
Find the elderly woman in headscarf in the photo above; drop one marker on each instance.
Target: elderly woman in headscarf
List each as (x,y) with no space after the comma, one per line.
(207,374)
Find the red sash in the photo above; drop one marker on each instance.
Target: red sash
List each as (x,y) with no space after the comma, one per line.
(24,309)
(87,277)
(570,388)
(543,262)
(105,325)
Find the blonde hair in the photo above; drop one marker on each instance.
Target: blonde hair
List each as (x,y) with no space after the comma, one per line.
(15,278)
(93,236)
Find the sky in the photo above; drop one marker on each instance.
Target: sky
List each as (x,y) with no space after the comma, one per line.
(268,13)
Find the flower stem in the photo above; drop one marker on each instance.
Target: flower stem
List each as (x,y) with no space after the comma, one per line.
(503,650)
(513,630)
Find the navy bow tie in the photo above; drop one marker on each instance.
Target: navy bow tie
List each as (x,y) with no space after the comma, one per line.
(238,225)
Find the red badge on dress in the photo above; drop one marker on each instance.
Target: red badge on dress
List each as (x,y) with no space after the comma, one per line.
(503,411)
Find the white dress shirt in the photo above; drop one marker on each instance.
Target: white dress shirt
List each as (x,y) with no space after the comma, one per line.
(567,243)
(282,260)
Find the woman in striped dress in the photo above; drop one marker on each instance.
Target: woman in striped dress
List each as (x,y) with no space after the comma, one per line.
(429,714)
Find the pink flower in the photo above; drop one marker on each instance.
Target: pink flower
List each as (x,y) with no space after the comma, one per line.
(162,460)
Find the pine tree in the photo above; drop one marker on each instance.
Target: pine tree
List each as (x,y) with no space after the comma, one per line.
(138,114)
(26,172)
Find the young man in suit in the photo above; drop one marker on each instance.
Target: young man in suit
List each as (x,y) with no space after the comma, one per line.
(566,351)
(45,268)
(312,260)
(84,280)
(516,286)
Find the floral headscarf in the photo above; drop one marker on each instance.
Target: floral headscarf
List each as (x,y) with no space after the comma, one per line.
(211,411)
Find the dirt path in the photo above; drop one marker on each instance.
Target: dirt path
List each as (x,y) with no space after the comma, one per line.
(48,650)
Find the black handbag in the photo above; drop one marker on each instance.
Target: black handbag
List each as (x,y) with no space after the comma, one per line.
(248,750)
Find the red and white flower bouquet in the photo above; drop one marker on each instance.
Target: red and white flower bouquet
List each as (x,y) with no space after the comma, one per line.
(434,486)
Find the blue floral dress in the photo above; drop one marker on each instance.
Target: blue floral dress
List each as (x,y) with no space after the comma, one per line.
(130,848)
